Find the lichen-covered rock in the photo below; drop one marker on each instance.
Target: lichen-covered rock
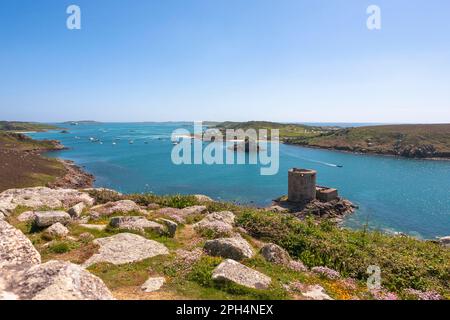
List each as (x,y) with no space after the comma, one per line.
(122,206)
(56,230)
(235,248)
(136,223)
(125,248)
(153,284)
(170,225)
(99,227)
(310,292)
(26,216)
(275,254)
(445,241)
(219,223)
(180,215)
(58,280)
(76,210)
(44,219)
(39,197)
(202,198)
(233,271)
(16,250)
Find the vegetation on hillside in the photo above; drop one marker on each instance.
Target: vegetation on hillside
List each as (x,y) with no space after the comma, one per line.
(25,126)
(405,262)
(21,163)
(421,141)
(414,140)
(286,130)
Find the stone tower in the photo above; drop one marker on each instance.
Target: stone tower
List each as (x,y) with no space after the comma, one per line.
(301,185)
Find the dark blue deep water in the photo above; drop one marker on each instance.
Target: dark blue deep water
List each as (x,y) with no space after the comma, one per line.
(394,194)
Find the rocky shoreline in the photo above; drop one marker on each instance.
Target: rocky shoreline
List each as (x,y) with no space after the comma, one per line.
(406,154)
(335,210)
(75,177)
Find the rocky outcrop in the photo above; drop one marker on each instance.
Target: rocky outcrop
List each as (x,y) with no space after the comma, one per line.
(44,219)
(310,292)
(233,271)
(170,225)
(335,209)
(445,241)
(23,277)
(180,215)
(26,216)
(56,230)
(40,197)
(153,284)
(121,206)
(98,227)
(58,280)
(125,248)
(202,198)
(235,248)
(76,210)
(136,223)
(16,250)
(275,254)
(218,223)
(75,177)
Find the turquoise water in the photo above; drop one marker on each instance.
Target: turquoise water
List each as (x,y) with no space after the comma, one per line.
(393,194)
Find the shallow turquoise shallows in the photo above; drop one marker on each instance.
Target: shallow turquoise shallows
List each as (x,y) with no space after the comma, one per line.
(393,194)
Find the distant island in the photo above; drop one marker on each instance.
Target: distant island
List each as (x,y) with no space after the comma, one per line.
(74,123)
(18,126)
(409,140)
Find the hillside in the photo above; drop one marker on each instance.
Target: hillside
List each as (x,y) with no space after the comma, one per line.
(286,130)
(412,141)
(25,126)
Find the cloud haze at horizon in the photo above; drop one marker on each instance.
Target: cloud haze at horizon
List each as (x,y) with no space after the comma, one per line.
(286,61)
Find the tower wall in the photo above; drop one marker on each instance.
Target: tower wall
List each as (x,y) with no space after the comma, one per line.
(301,185)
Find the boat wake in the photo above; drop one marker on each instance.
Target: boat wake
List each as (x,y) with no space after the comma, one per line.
(315,161)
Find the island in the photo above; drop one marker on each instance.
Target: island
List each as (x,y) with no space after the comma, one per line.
(423,141)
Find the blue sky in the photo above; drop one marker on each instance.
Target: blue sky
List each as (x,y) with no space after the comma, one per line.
(284,60)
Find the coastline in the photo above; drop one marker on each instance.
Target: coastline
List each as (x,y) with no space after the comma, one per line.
(369,152)
(75,177)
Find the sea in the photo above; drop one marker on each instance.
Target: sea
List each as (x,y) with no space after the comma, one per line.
(393,194)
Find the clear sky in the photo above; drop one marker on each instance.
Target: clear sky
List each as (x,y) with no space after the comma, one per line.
(278,60)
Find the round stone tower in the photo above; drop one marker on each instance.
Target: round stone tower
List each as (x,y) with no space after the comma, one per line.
(301,185)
